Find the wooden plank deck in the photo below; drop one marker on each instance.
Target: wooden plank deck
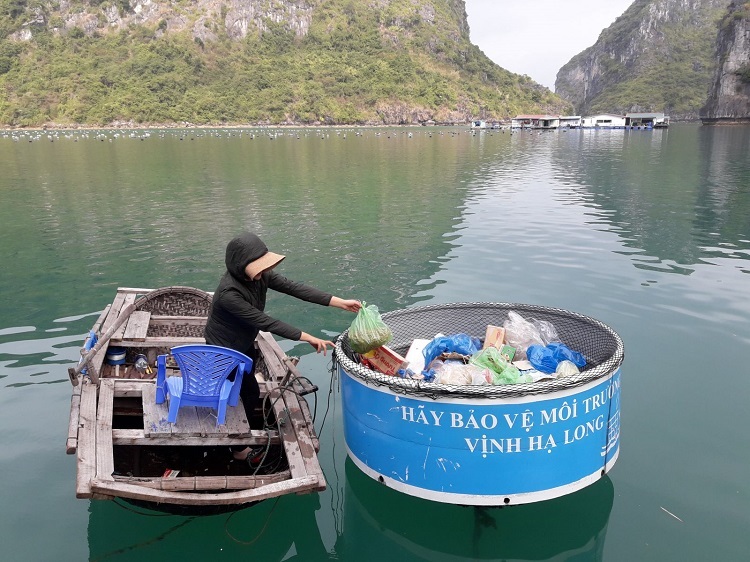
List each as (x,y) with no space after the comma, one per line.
(102,482)
(128,299)
(86,465)
(105,463)
(192,421)
(136,327)
(294,430)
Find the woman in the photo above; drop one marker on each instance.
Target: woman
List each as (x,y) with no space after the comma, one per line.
(237,311)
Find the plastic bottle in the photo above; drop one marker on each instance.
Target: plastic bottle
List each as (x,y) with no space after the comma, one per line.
(141,363)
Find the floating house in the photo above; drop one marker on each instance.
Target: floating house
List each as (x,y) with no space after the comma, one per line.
(646,120)
(603,121)
(478,124)
(535,122)
(570,121)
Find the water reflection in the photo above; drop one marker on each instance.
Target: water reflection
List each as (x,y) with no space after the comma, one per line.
(372,522)
(676,198)
(581,220)
(37,355)
(276,529)
(400,527)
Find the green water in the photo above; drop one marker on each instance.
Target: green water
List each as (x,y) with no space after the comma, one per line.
(647,231)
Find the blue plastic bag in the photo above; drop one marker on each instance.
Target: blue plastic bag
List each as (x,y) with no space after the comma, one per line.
(457,343)
(562,352)
(546,358)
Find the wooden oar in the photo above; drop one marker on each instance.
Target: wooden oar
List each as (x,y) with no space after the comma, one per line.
(73,372)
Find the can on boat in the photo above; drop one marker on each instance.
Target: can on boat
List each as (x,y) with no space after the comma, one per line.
(485,445)
(115,355)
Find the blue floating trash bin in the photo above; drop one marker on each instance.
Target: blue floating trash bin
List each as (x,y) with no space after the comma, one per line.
(485,445)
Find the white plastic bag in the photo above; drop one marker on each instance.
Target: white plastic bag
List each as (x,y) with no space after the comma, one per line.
(454,372)
(521,333)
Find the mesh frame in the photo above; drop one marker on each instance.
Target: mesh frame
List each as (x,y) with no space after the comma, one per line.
(600,345)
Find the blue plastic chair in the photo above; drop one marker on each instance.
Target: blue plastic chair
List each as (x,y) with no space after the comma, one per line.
(203,382)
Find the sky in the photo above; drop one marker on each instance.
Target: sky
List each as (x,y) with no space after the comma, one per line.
(537,37)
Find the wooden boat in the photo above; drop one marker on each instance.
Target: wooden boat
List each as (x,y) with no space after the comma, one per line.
(124,446)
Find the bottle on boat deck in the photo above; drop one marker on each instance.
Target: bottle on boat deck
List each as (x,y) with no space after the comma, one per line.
(141,364)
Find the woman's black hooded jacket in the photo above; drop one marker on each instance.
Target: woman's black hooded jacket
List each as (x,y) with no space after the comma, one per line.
(236,314)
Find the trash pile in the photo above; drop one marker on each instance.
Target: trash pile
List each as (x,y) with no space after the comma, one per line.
(519,351)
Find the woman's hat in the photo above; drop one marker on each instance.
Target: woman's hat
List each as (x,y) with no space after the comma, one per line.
(264,262)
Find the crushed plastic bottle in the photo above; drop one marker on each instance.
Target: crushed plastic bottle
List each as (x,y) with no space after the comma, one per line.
(141,363)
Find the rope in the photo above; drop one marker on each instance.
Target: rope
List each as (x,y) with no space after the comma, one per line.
(140,545)
(138,512)
(262,530)
(337,499)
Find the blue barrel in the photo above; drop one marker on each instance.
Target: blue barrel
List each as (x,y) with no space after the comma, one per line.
(485,445)
(115,355)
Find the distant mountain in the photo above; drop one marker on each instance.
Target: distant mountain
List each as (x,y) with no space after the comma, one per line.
(99,62)
(729,97)
(657,56)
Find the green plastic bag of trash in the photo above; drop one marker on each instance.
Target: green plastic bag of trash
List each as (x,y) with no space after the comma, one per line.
(502,371)
(368,331)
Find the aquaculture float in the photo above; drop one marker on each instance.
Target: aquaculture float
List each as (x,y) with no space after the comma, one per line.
(484,445)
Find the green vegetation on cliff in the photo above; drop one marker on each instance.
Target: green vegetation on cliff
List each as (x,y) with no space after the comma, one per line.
(657,56)
(352,64)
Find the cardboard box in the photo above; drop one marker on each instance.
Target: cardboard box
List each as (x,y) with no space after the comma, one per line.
(385,360)
(494,337)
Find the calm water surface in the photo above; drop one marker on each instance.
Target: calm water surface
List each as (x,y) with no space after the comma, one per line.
(647,231)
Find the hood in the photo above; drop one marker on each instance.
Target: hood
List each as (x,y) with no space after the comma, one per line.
(241,251)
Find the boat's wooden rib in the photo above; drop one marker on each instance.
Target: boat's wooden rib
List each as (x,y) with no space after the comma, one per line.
(138,437)
(102,398)
(198,483)
(159,342)
(161,320)
(75,410)
(114,489)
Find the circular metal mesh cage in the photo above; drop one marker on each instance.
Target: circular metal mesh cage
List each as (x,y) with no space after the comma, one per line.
(599,344)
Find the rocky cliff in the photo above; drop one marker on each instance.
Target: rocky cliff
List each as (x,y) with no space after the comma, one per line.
(251,61)
(729,97)
(657,56)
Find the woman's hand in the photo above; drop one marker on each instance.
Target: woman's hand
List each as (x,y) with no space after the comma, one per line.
(317,343)
(351,305)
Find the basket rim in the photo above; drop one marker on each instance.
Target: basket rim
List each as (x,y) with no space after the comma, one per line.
(408,386)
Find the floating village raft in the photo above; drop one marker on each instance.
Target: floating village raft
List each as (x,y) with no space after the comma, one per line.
(124,445)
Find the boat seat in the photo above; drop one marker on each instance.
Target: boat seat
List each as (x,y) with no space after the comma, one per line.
(203,380)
